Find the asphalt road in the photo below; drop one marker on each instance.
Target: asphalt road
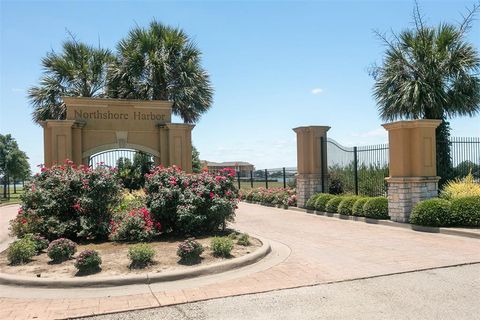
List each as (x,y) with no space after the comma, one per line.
(445,293)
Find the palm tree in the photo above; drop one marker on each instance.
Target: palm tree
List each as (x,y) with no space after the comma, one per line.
(430,73)
(161,63)
(79,71)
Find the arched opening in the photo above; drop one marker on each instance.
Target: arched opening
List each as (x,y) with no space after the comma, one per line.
(112,158)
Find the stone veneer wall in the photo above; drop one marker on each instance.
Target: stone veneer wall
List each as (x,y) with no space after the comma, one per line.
(307,185)
(404,193)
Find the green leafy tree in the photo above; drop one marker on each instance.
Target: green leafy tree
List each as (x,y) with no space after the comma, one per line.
(196,164)
(161,63)
(430,73)
(13,162)
(132,174)
(78,71)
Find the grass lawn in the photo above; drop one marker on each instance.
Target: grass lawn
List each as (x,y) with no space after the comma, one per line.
(14,197)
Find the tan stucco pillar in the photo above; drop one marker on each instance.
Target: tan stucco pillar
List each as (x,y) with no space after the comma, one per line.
(311,165)
(57,138)
(413,171)
(179,145)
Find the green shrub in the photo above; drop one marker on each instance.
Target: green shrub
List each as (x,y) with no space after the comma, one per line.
(466,211)
(333,203)
(233,235)
(357,209)
(376,208)
(189,251)
(461,188)
(432,212)
(310,205)
(40,242)
(20,251)
(321,202)
(221,246)
(88,261)
(61,249)
(140,255)
(244,239)
(345,207)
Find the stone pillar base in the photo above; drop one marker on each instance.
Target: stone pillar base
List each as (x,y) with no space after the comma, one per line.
(307,185)
(405,192)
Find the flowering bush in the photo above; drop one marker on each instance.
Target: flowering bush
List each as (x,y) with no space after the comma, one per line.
(191,203)
(272,196)
(131,200)
(66,201)
(61,249)
(88,261)
(189,250)
(137,225)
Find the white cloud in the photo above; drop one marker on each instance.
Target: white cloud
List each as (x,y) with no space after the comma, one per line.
(317,90)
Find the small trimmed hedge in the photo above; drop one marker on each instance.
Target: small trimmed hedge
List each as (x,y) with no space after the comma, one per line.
(466,211)
(345,207)
(88,261)
(221,246)
(357,209)
(432,212)
(460,212)
(140,255)
(333,203)
(376,208)
(321,202)
(310,205)
(20,251)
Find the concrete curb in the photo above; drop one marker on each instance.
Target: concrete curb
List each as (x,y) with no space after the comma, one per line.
(448,231)
(146,278)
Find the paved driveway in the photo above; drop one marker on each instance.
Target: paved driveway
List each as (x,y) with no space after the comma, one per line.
(6,214)
(309,250)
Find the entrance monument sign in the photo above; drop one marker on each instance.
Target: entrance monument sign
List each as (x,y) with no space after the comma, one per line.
(93,125)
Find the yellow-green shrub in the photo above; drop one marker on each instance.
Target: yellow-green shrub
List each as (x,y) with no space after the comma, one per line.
(461,188)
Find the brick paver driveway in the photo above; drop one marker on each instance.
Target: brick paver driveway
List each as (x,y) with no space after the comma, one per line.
(322,250)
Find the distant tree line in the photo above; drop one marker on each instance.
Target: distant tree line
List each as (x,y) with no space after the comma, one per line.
(14,165)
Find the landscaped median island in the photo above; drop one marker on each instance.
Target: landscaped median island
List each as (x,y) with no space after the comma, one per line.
(79,221)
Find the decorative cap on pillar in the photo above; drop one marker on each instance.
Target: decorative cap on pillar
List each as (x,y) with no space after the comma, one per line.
(308,148)
(412,147)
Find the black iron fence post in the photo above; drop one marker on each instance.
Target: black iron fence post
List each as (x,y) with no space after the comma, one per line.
(284,179)
(238,179)
(266,178)
(355,168)
(251,179)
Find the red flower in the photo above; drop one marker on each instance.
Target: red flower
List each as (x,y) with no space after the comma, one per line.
(212,195)
(23,221)
(77,207)
(20,211)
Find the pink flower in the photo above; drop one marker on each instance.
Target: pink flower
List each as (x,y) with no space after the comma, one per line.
(212,195)
(77,206)
(20,211)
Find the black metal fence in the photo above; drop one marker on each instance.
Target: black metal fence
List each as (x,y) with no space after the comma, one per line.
(356,170)
(269,178)
(110,158)
(462,158)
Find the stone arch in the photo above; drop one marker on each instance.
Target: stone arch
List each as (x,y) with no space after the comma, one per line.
(95,125)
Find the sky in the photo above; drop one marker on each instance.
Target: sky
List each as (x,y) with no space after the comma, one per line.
(274,65)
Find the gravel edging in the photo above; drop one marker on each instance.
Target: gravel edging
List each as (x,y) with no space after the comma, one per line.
(448,231)
(146,278)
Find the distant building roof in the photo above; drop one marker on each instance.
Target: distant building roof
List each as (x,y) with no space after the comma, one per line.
(227,164)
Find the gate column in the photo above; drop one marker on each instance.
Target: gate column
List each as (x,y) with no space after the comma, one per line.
(311,161)
(412,165)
